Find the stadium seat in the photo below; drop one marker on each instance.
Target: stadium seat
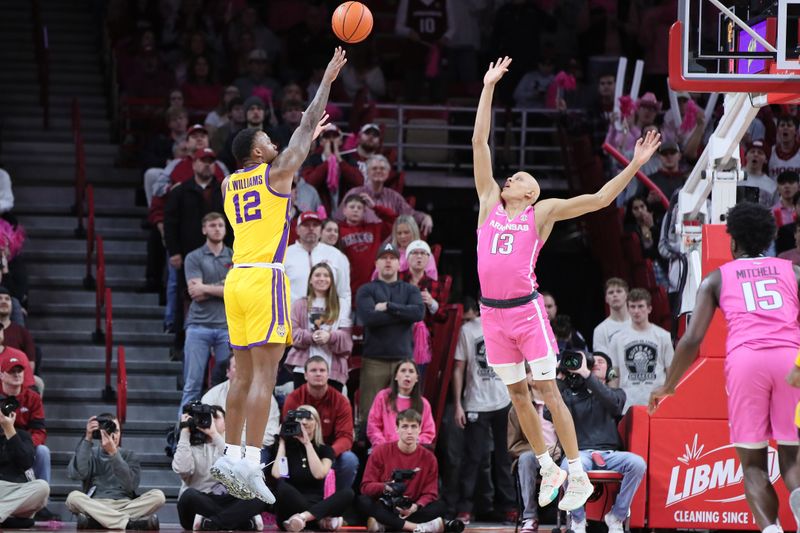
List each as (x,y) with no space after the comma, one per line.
(426,131)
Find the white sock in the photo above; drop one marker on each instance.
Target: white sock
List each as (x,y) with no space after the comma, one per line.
(773,528)
(234,451)
(252,454)
(575,466)
(545,461)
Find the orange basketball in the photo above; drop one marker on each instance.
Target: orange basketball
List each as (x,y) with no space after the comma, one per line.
(352,22)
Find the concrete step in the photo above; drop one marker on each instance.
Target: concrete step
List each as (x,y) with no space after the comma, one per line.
(61,158)
(135,396)
(59,100)
(111,211)
(87,322)
(90,79)
(64,195)
(94,406)
(111,247)
(149,476)
(97,381)
(53,135)
(91,360)
(34,111)
(77,271)
(68,232)
(106,220)
(73,337)
(78,255)
(53,301)
(122,312)
(35,149)
(49,173)
(118,285)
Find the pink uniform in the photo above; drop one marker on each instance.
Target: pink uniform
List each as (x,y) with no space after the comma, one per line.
(759,300)
(507,252)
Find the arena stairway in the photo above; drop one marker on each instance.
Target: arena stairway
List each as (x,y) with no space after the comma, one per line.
(61,314)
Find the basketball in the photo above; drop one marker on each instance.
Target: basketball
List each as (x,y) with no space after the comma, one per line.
(352,22)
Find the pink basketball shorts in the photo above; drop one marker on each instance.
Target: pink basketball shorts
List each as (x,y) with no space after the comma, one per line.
(519,334)
(761,403)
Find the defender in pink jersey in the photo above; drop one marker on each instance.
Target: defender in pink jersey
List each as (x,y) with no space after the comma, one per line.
(759,298)
(511,232)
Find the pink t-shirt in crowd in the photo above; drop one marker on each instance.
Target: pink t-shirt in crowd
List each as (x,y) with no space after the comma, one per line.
(382,420)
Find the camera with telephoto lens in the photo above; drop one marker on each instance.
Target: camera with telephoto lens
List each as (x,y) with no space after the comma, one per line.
(106,424)
(291,427)
(571,360)
(200,417)
(393,497)
(8,405)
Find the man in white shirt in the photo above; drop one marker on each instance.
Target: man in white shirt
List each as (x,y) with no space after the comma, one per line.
(641,352)
(756,157)
(617,299)
(307,252)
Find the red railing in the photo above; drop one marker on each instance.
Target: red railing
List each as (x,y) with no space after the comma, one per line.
(122,385)
(100,287)
(88,280)
(641,176)
(41,48)
(80,167)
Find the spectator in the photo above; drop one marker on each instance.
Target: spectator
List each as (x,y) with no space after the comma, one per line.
(481,408)
(377,173)
(201,89)
(404,232)
(263,37)
(370,142)
(300,493)
(163,148)
(785,155)
(793,254)
(550,306)
(304,198)
(206,328)
(641,352)
(404,393)
(363,74)
(387,307)
(527,465)
(6,193)
(641,220)
(258,75)
(330,174)
(187,204)
(15,335)
(336,416)
(785,240)
(756,157)
(235,121)
(218,395)
(669,177)
(321,327)
(308,251)
(310,41)
(219,116)
(203,503)
(254,118)
(595,408)
(330,232)
(787,188)
(623,133)
(563,323)
(616,295)
(7,352)
(112,473)
(424,515)
(360,239)
(291,114)
(30,418)
(688,140)
(20,498)
(601,108)
(532,88)
(149,77)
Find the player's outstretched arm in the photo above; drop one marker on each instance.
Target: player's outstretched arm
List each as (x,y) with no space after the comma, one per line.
(488,190)
(688,346)
(556,209)
(287,163)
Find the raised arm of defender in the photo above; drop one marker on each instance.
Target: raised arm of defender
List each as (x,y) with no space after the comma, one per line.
(287,163)
(488,190)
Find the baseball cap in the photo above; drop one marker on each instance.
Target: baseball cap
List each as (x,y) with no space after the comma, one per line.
(668,146)
(7,363)
(204,153)
(388,248)
(682,94)
(306,216)
(196,127)
(253,101)
(258,54)
(758,144)
(331,128)
(370,126)
(417,245)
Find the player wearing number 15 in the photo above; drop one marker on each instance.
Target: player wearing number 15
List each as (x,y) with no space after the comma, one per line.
(512,227)
(257,201)
(759,298)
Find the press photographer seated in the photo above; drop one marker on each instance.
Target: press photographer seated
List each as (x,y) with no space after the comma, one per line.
(203,503)
(302,461)
(110,476)
(400,487)
(595,408)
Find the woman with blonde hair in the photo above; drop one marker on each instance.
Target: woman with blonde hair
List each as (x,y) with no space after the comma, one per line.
(320,326)
(405,231)
(302,462)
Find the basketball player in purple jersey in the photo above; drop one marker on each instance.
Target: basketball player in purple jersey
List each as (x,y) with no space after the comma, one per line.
(511,232)
(759,299)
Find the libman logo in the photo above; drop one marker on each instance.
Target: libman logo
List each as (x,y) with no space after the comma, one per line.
(713,476)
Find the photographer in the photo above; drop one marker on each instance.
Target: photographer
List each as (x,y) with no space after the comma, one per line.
(110,477)
(595,408)
(302,461)
(20,499)
(203,503)
(403,501)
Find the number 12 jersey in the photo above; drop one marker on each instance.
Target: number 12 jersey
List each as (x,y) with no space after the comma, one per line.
(759,300)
